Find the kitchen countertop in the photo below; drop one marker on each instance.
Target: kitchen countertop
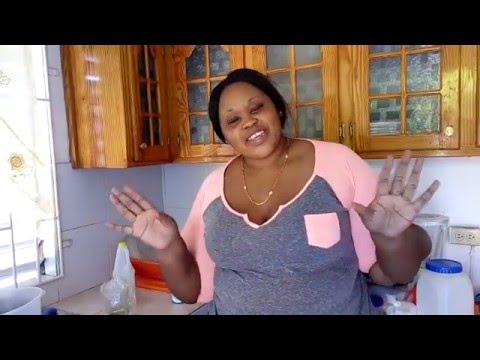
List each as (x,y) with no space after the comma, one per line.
(149,302)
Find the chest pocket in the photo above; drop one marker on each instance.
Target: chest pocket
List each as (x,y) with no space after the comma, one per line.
(323,230)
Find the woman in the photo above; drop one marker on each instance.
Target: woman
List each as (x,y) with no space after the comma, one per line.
(289,226)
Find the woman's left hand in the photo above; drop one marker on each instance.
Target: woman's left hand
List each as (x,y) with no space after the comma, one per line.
(393,209)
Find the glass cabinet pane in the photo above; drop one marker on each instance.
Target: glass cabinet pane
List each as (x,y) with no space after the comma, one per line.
(297,72)
(375,49)
(196,63)
(282,83)
(310,122)
(309,85)
(307,54)
(141,66)
(143,97)
(385,76)
(423,71)
(415,70)
(423,114)
(152,66)
(219,61)
(197,97)
(154,99)
(205,67)
(149,93)
(385,116)
(200,129)
(278,56)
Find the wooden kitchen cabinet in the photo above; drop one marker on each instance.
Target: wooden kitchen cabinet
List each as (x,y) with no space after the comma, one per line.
(307,77)
(401,97)
(148,104)
(116,105)
(197,70)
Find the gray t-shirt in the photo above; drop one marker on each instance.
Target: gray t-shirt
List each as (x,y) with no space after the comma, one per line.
(309,258)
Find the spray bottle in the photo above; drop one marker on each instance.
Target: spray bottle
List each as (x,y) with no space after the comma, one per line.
(120,291)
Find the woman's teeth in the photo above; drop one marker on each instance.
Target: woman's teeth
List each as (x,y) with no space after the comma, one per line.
(256,135)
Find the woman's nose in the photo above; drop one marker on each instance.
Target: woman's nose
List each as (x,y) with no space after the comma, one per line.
(249,121)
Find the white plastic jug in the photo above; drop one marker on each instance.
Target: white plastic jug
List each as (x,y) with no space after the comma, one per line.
(21,301)
(443,288)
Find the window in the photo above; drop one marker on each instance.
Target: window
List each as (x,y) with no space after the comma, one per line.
(30,251)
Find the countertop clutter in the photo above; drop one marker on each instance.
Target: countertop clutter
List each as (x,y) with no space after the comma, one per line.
(149,302)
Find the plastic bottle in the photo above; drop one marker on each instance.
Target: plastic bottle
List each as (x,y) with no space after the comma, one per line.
(124,272)
(396,307)
(443,288)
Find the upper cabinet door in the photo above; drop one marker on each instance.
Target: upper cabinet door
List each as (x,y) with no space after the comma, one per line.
(474,53)
(307,77)
(405,97)
(148,85)
(198,69)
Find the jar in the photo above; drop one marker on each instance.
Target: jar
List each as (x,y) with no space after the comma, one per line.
(443,288)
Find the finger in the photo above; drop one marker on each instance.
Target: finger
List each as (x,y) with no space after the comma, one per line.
(126,200)
(139,199)
(120,228)
(384,177)
(413,180)
(400,174)
(426,196)
(122,209)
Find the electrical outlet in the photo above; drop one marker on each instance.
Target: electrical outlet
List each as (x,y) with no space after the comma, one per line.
(465,235)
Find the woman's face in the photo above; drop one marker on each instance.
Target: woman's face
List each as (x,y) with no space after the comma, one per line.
(249,120)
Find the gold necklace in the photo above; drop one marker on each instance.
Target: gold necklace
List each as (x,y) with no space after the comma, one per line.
(270,193)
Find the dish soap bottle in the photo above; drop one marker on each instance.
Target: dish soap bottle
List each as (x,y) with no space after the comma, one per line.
(124,272)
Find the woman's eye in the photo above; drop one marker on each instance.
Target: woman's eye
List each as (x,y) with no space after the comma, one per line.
(232,120)
(256,108)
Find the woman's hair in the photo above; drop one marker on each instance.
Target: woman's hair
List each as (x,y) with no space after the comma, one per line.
(254,78)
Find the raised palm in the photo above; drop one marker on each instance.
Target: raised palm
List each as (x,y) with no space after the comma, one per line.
(393,210)
(146,223)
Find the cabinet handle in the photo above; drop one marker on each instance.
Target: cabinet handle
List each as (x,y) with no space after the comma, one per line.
(449,131)
(351,130)
(143,146)
(341,131)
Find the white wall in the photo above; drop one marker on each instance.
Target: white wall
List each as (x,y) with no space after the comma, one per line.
(84,206)
(458,196)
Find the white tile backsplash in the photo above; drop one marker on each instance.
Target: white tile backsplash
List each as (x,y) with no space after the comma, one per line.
(182,183)
(180,215)
(459,191)
(81,196)
(87,260)
(147,180)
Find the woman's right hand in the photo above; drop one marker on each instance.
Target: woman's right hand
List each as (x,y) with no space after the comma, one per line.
(158,230)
